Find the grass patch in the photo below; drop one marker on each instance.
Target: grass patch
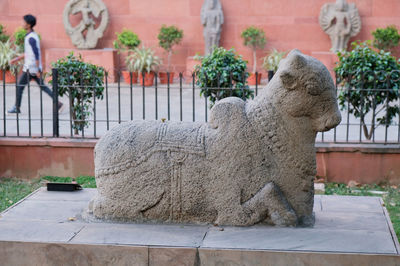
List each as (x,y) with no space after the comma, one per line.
(391,198)
(56,179)
(86,181)
(345,190)
(12,190)
(392,203)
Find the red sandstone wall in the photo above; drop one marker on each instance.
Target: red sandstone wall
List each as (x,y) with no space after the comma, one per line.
(288,23)
(32,158)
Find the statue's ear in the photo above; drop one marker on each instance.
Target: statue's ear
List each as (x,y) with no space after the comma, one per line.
(297,59)
(288,80)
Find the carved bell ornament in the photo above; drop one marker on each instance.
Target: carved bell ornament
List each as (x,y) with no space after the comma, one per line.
(340,21)
(86,33)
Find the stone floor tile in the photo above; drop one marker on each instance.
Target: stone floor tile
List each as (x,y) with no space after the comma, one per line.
(142,234)
(56,211)
(353,204)
(300,239)
(38,231)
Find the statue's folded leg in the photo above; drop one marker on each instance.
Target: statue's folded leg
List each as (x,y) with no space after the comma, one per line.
(106,208)
(270,203)
(267,204)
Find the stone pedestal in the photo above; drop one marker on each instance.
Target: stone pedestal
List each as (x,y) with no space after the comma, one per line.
(106,58)
(329,59)
(46,228)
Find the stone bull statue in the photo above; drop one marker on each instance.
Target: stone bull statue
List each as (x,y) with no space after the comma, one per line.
(254,162)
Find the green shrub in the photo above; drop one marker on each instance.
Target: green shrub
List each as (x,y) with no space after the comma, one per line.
(3,36)
(19,37)
(126,40)
(81,82)
(7,53)
(387,38)
(168,37)
(222,69)
(371,83)
(255,39)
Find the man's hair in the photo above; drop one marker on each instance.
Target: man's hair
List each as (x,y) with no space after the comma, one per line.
(31,20)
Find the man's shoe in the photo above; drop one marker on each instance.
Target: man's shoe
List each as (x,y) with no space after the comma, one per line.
(14,110)
(60,107)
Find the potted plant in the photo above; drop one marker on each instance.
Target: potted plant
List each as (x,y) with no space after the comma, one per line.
(3,35)
(271,62)
(168,37)
(7,53)
(370,82)
(3,38)
(127,40)
(254,38)
(222,74)
(387,38)
(144,62)
(81,82)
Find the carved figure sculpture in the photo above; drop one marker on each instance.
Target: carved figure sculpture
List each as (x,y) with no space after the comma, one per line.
(340,21)
(254,162)
(85,35)
(212,19)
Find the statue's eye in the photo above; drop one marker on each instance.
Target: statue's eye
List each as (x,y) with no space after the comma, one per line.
(313,89)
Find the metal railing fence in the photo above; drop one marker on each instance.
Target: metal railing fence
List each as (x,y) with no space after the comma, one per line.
(179,100)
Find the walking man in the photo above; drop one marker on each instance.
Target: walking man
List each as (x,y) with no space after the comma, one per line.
(32,68)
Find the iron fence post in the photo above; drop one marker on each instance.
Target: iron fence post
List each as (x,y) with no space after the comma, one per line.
(4,102)
(55,103)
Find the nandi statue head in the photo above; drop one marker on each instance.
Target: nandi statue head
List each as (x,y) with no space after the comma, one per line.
(303,87)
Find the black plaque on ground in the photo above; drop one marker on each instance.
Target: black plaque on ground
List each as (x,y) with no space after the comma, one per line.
(63,186)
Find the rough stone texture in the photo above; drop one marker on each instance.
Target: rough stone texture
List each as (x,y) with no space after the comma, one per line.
(340,21)
(253,162)
(212,19)
(85,34)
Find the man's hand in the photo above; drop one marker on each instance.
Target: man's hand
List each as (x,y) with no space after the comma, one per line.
(14,60)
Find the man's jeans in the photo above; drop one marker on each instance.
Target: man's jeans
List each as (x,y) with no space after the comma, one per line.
(23,81)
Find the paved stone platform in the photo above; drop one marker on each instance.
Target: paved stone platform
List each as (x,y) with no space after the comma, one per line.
(46,228)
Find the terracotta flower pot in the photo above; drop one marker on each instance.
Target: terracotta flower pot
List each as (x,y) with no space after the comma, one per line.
(127,77)
(10,78)
(164,78)
(270,74)
(252,79)
(1,74)
(148,79)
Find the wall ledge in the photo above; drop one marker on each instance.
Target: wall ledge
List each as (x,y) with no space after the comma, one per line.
(354,147)
(48,142)
(321,147)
